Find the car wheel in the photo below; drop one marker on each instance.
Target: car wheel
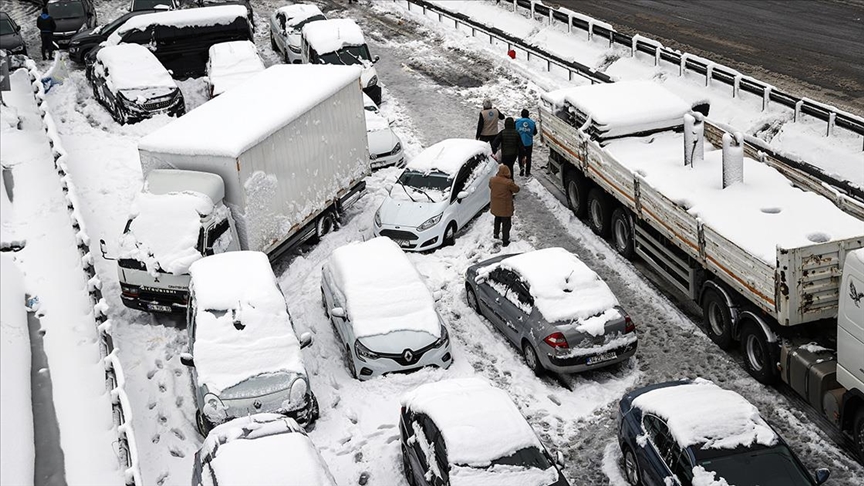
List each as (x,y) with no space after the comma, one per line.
(599,211)
(314,410)
(204,426)
(471,296)
(352,370)
(622,232)
(531,358)
(450,234)
(406,467)
(273,42)
(631,467)
(577,193)
(758,354)
(717,319)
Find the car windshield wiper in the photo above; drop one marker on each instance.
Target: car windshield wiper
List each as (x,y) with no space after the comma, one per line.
(406,190)
(421,191)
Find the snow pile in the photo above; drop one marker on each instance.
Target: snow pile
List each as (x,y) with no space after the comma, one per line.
(332,35)
(563,288)
(295,14)
(17,449)
(133,66)
(701,477)
(701,413)
(231,63)
(8,118)
(242,327)
(192,17)
(480,423)
(384,293)
(448,156)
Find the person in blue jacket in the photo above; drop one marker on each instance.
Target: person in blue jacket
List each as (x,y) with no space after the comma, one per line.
(527,129)
(46,25)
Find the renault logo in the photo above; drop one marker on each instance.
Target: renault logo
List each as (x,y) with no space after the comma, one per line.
(408,355)
(256,404)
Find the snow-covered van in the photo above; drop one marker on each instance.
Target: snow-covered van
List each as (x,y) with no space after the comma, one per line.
(340,41)
(287,175)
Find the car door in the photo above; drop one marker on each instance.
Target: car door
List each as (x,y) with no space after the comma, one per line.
(479,184)
(459,208)
(280,32)
(516,307)
(333,298)
(657,453)
(490,294)
(418,446)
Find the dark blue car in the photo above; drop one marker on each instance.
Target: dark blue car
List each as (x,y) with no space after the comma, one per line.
(670,431)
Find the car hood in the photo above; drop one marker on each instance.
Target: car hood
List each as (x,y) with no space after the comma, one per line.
(69,25)
(398,341)
(142,95)
(381,141)
(407,213)
(9,41)
(93,36)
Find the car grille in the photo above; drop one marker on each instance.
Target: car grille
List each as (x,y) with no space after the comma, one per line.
(398,234)
(163,295)
(159,103)
(385,154)
(400,358)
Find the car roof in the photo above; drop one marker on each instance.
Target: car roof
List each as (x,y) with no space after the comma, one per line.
(331,35)
(132,66)
(448,156)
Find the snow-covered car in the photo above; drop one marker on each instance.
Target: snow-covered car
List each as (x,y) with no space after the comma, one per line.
(684,432)
(384,314)
(243,353)
(286,24)
(71,17)
(132,85)
(465,432)
(438,193)
(10,36)
(554,308)
(231,63)
(341,42)
(261,449)
(385,147)
(138,5)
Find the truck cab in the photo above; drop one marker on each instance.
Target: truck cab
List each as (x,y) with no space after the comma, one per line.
(178,218)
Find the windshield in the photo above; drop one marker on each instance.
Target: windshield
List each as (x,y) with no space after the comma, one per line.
(70,10)
(529,457)
(299,25)
(150,4)
(258,386)
(437,181)
(6,27)
(347,55)
(770,466)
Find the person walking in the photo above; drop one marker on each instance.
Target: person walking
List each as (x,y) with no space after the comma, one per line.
(46,25)
(487,124)
(510,143)
(527,129)
(502,188)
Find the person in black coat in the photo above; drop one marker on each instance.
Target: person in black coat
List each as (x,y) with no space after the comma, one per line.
(46,25)
(510,143)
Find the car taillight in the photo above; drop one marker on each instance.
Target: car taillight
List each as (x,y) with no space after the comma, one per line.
(628,325)
(556,340)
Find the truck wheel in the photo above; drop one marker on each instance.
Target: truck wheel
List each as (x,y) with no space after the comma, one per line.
(717,319)
(858,433)
(758,354)
(599,212)
(577,193)
(325,224)
(622,232)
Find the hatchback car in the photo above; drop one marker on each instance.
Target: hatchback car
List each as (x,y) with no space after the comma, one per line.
(243,353)
(231,63)
(71,17)
(694,432)
(261,449)
(554,308)
(84,42)
(385,147)
(466,432)
(286,24)
(10,36)
(383,313)
(438,193)
(132,85)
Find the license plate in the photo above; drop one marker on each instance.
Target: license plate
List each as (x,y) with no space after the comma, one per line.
(402,242)
(601,358)
(158,308)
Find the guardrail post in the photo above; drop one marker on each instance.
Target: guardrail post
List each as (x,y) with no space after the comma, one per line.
(682,67)
(514,6)
(831,119)
(633,45)
(548,65)
(657,55)
(570,75)
(798,105)
(736,85)
(709,73)
(439,16)
(611,38)
(766,97)
(570,25)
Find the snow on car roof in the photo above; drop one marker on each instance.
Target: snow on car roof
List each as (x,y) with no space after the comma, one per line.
(294,14)
(702,413)
(190,17)
(133,66)
(480,423)
(331,35)
(384,291)
(242,328)
(448,156)
(231,63)
(563,287)
(239,119)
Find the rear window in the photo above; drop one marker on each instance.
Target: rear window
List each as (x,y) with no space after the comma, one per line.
(66,10)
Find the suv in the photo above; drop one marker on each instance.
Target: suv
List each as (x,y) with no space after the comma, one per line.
(83,42)
(10,36)
(72,17)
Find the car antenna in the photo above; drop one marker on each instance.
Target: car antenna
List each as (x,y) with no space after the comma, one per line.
(567,281)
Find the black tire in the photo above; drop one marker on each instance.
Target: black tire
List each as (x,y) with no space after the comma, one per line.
(273,43)
(632,473)
(471,297)
(204,425)
(531,359)
(717,318)
(449,238)
(349,358)
(576,190)
(858,433)
(759,354)
(325,224)
(406,467)
(314,409)
(599,212)
(623,233)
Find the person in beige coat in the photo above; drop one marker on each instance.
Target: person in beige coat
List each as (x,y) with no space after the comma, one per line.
(502,189)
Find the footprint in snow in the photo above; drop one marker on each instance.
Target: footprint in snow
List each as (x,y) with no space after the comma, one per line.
(151,374)
(159,364)
(178,402)
(156,439)
(176,452)
(178,433)
(161,479)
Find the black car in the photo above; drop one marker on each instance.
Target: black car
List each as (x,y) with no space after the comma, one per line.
(83,42)
(672,432)
(10,36)
(71,16)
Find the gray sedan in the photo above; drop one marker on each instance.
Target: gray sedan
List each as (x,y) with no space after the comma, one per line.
(556,310)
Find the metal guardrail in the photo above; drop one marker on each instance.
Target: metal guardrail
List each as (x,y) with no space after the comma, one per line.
(114,378)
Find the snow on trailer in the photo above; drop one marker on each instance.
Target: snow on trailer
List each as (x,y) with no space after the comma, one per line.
(448,156)
(192,17)
(332,35)
(231,63)
(133,67)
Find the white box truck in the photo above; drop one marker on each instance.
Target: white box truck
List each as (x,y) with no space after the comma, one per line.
(266,166)
(774,268)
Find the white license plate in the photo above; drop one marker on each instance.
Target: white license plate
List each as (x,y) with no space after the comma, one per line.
(601,358)
(158,308)
(402,242)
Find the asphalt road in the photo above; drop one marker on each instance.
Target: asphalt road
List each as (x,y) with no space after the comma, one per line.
(813,48)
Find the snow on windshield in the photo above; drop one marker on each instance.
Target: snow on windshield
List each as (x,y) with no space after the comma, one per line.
(421,187)
(499,475)
(66,10)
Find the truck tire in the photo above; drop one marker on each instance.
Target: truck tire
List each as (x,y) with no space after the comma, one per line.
(622,232)
(576,190)
(759,354)
(325,224)
(599,212)
(858,433)
(717,318)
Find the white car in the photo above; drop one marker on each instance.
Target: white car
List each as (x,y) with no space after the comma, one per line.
(385,147)
(437,194)
(231,63)
(383,312)
(286,24)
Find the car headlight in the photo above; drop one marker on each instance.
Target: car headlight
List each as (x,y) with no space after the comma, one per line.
(298,392)
(372,82)
(397,148)
(73,49)
(444,339)
(363,352)
(430,222)
(378,217)
(293,49)
(215,411)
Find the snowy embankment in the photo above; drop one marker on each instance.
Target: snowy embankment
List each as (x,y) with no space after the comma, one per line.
(53,272)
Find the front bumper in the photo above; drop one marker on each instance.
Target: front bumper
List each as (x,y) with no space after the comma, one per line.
(409,239)
(155,300)
(63,39)
(579,362)
(378,162)
(370,368)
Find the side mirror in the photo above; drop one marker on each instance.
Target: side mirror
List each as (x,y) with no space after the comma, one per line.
(559,458)
(388,187)
(186,360)
(305,340)
(375,59)
(338,312)
(462,195)
(822,475)
(102,248)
